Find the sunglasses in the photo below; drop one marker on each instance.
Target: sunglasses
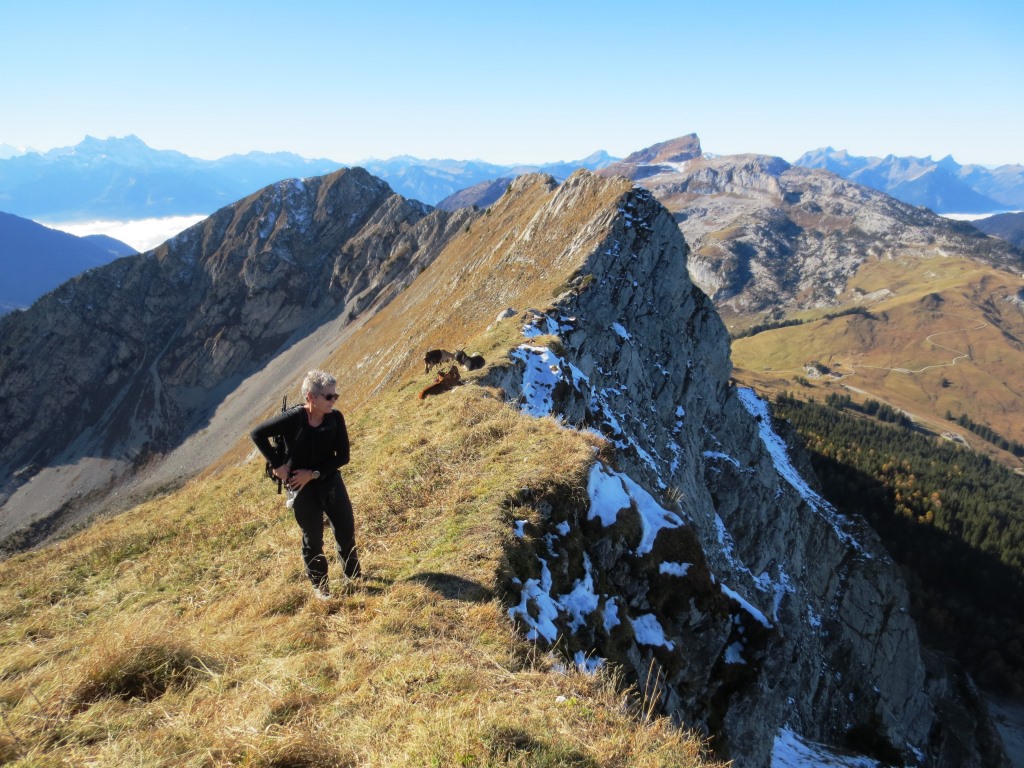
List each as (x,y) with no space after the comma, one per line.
(330,398)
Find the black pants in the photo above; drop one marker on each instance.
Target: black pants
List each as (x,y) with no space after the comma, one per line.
(326,496)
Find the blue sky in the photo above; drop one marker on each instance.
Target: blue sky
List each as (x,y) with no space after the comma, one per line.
(526,82)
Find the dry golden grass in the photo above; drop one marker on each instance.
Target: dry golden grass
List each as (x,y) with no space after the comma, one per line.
(943,338)
(183,632)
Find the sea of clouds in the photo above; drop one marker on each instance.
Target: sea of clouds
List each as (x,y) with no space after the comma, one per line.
(141,234)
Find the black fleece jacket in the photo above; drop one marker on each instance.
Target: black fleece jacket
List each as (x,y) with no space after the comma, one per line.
(324,448)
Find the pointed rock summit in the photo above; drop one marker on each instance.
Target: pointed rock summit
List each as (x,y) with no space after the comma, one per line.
(656,158)
(703,560)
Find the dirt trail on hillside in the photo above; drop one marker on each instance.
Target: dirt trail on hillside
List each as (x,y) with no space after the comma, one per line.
(960,354)
(940,427)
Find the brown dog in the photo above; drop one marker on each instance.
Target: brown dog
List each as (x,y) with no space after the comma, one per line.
(444,381)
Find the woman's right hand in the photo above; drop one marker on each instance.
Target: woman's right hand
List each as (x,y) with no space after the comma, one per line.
(281,473)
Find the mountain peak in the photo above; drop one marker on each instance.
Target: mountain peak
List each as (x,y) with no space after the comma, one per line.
(676,150)
(110,145)
(116,150)
(654,159)
(594,158)
(131,140)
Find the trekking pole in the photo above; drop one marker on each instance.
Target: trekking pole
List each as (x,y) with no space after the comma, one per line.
(284,407)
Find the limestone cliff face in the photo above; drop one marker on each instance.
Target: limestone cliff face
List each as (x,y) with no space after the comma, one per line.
(703,560)
(659,158)
(120,363)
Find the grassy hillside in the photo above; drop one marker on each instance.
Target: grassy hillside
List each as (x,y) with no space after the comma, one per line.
(183,633)
(938,338)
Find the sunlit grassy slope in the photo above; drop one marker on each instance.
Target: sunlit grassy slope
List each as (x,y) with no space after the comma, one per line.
(183,632)
(941,337)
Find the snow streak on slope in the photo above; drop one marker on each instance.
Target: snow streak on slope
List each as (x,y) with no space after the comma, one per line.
(791,752)
(776,447)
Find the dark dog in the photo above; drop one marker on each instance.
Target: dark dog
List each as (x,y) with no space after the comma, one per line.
(435,357)
(469,362)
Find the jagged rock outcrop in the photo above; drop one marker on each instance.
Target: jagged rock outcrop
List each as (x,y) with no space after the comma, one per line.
(127,359)
(702,560)
(768,238)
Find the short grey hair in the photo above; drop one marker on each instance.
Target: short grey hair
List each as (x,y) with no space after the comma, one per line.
(316,382)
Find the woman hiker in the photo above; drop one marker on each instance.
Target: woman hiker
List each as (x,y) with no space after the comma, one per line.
(313,446)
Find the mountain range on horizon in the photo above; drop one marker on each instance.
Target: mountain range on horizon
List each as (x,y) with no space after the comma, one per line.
(943,185)
(123,178)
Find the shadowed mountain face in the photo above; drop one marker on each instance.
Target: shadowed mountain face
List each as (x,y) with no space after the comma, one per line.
(698,557)
(36,259)
(481,195)
(1008,226)
(147,346)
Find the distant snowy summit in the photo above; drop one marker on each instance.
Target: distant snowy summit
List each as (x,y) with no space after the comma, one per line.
(7,151)
(943,185)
